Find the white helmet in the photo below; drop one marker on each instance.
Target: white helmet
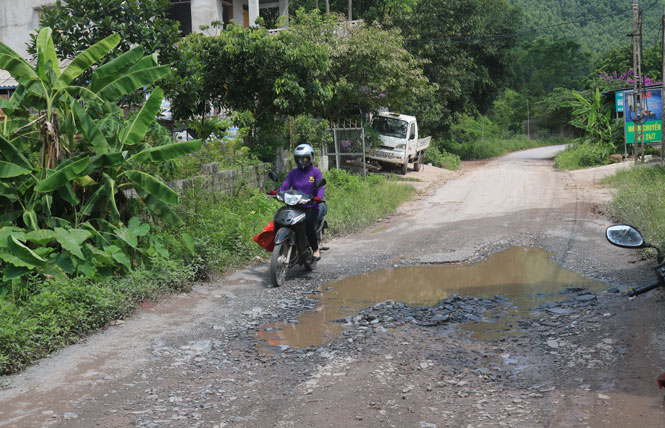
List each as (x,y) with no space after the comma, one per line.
(303,155)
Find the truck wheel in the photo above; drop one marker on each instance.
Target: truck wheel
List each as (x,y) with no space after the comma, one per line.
(403,168)
(417,166)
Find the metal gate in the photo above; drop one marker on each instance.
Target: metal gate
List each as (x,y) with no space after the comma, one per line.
(347,149)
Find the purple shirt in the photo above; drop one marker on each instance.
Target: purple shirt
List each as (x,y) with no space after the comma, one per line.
(303,180)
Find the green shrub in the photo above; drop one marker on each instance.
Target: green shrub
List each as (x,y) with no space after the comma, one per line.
(442,160)
(493,146)
(639,200)
(581,155)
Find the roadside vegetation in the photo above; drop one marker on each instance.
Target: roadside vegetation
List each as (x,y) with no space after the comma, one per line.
(216,235)
(640,201)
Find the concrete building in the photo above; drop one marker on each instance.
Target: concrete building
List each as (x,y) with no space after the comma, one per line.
(19,18)
(194,13)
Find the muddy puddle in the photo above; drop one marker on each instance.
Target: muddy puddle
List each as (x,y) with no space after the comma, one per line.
(526,275)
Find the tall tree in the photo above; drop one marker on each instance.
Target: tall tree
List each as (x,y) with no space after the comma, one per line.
(77,24)
(467,44)
(543,65)
(369,67)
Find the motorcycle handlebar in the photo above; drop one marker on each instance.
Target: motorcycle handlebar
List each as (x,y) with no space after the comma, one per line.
(646,287)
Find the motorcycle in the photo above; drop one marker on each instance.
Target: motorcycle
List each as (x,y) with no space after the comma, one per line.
(623,235)
(291,245)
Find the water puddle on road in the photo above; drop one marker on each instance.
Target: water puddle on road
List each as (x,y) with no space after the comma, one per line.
(526,275)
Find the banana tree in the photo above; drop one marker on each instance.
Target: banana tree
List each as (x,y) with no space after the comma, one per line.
(64,184)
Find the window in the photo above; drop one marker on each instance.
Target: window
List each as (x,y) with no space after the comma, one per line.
(181,11)
(390,127)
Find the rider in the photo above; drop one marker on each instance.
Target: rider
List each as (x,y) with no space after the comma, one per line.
(303,178)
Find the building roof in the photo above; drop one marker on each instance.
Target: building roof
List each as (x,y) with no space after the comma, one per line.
(8,82)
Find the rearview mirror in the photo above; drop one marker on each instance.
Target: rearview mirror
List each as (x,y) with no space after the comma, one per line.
(272,176)
(623,235)
(320,183)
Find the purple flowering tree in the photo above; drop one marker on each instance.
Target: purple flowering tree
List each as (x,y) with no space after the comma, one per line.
(625,80)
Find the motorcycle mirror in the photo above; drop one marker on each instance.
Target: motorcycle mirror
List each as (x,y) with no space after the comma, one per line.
(623,235)
(272,176)
(320,183)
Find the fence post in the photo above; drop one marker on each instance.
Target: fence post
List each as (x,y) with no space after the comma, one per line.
(337,158)
(362,137)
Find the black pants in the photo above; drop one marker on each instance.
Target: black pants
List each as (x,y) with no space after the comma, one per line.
(311,218)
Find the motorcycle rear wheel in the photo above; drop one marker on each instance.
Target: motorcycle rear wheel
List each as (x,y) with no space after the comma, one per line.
(279,264)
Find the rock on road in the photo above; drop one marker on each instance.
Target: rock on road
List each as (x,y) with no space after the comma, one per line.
(193,360)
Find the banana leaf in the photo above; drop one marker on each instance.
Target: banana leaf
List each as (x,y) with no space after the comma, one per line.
(89,129)
(107,72)
(9,152)
(167,151)
(145,62)
(94,201)
(111,190)
(6,50)
(67,193)
(47,60)
(19,70)
(130,82)
(22,255)
(152,186)
(85,59)
(105,160)
(63,176)
(158,208)
(9,170)
(137,128)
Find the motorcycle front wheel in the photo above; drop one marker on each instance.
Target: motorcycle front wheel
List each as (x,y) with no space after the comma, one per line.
(279,264)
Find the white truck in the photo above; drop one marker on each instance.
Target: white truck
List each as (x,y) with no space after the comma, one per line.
(400,144)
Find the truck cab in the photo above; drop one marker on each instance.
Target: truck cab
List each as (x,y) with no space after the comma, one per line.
(399,141)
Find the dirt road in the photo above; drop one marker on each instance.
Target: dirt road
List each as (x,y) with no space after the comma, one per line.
(455,312)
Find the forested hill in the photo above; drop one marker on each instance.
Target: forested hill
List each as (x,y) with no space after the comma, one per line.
(599,24)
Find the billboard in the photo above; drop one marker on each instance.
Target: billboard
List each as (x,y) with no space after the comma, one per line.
(651,119)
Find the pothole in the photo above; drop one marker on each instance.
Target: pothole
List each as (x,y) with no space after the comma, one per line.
(519,278)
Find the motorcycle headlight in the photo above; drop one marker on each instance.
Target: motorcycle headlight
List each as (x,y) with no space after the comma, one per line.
(291,199)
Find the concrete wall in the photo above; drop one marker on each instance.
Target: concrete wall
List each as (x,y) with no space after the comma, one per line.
(225,181)
(19,18)
(206,11)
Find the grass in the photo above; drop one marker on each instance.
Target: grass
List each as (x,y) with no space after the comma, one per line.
(640,201)
(493,146)
(578,156)
(64,311)
(379,195)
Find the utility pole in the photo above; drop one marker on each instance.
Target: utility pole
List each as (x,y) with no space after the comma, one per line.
(528,120)
(637,84)
(350,10)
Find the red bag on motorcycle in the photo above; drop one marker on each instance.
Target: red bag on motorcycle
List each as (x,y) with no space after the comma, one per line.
(266,238)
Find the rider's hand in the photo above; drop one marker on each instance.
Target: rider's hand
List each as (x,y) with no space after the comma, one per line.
(317,199)
(272,192)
